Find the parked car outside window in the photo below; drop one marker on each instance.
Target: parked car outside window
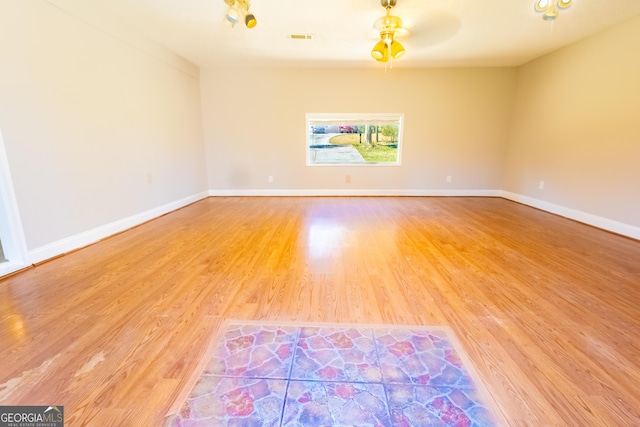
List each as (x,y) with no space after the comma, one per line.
(348,129)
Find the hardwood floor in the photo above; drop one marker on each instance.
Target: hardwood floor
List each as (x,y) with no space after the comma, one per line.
(547,309)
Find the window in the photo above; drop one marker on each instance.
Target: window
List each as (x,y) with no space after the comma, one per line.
(354,139)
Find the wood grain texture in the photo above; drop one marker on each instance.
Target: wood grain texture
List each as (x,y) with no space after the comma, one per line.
(547,309)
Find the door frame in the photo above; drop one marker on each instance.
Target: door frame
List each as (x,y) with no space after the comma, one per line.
(11,232)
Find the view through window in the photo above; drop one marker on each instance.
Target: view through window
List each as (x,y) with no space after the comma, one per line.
(354,139)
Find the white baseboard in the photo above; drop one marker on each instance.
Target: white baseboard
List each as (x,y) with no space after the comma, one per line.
(355,193)
(71,243)
(9,267)
(91,236)
(584,217)
(587,218)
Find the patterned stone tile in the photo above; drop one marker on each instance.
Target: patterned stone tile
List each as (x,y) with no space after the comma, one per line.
(217,401)
(311,403)
(424,406)
(254,351)
(336,354)
(323,375)
(420,356)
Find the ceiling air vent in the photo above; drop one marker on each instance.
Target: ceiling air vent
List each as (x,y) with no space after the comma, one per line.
(300,36)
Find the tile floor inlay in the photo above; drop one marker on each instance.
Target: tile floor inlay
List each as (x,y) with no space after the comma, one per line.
(336,354)
(332,375)
(254,351)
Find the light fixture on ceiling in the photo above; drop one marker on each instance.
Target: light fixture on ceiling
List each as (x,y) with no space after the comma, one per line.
(550,8)
(390,28)
(238,8)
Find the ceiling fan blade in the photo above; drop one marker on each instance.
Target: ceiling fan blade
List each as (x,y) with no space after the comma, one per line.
(433,28)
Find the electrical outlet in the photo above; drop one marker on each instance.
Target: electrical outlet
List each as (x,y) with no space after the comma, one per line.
(270,179)
(541,185)
(449,178)
(348,179)
(149,178)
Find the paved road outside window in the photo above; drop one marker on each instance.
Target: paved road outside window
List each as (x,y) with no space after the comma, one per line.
(322,151)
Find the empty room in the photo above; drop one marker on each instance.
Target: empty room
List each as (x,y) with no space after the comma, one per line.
(320,213)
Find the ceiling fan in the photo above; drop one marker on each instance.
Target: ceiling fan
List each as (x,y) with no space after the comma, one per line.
(390,28)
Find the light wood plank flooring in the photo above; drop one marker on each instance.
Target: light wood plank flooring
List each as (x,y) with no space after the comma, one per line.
(547,309)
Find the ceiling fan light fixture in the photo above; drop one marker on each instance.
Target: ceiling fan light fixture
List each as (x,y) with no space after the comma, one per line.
(239,9)
(232,15)
(563,4)
(541,5)
(397,50)
(549,8)
(389,27)
(550,14)
(379,51)
(385,57)
(387,23)
(250,20)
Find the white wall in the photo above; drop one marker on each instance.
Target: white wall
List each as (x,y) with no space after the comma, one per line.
(576,126)
(88,119)
(456,123)
(90,114)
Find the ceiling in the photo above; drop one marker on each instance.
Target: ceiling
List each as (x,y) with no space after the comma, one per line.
(443,33)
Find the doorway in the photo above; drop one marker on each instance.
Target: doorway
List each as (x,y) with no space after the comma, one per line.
(13,247)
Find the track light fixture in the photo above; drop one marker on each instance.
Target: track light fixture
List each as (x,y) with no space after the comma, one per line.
(238,8)
(390,27)
(550,8)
